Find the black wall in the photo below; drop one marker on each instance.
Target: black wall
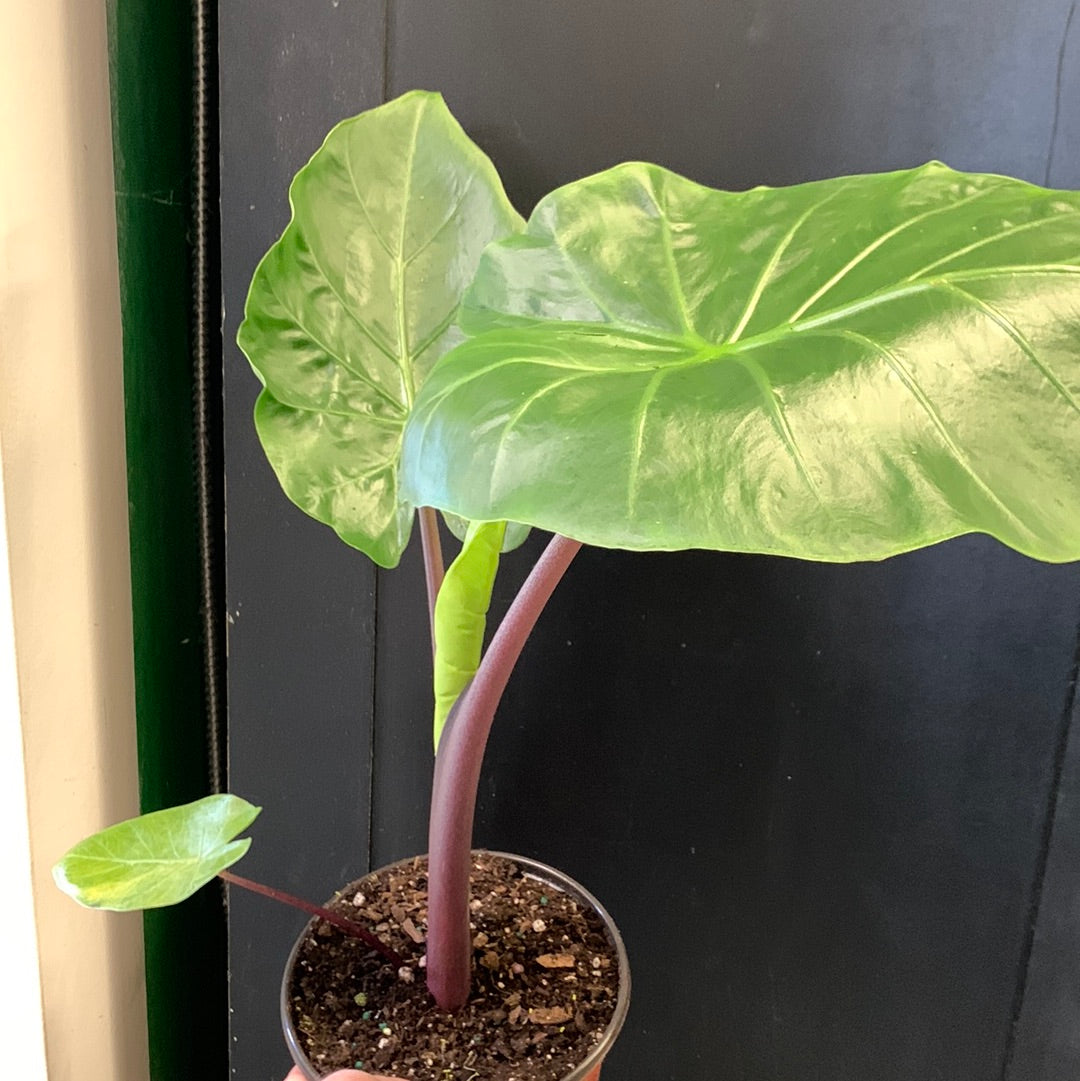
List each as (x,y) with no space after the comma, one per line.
(834,809)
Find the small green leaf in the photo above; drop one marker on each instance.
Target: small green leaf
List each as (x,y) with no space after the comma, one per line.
(840,370)
(351,308)
(159,858)
(461,615)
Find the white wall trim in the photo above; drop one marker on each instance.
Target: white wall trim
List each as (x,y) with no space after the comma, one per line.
(24,1010)
(65,501)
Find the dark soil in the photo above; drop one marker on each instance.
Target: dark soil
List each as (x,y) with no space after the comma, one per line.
(545,982)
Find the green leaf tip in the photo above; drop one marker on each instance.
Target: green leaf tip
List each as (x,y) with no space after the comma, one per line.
(515,536)
(838,371)
(159,858)
(461,615)
(348,312)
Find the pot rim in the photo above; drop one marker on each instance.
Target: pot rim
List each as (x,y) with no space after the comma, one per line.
(534,869)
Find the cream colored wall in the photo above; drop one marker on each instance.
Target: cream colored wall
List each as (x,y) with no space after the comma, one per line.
(61,427)
(26,1058)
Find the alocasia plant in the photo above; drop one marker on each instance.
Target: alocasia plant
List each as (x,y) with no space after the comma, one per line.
(840,370)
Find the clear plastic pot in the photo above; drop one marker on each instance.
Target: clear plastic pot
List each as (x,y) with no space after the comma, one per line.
(589,1068)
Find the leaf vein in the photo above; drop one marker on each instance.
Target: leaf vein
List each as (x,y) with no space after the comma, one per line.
(357,372)
(911,384)
(776,410)
(873,246)
(400,265)
(572,266)
(773,262)
(345,414)
(364,329)
(436,334)
(669,260)
(445,222)
(1011,231)
(364,474)
(640,414)
(520,412)
(360,201)
(1013,331)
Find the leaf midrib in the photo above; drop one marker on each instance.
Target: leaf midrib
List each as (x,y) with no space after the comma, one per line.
(703,351)
(168,861)
(409,379)
(885,296)
(696,351)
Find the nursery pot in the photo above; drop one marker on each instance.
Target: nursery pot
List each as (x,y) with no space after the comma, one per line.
(554,882)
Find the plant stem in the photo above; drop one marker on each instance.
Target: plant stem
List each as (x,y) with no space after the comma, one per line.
(433,561)
(457,774)
(341,922)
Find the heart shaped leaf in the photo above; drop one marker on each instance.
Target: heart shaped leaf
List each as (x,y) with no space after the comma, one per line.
(840,370)
(159,858)
(350,309)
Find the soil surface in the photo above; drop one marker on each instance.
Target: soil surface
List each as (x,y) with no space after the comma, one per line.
(545,982)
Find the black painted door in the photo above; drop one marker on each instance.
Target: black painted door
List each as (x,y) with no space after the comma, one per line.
(834,809)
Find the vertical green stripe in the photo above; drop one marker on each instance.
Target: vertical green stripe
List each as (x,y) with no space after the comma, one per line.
(151,72)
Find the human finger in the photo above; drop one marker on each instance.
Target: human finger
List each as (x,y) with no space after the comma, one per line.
(340,1075)
(356,1075)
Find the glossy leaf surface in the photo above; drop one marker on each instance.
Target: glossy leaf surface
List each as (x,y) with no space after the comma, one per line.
(461,615)
(159,858)
(350,309)
(840,370)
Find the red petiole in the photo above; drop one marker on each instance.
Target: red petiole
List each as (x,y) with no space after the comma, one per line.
(348,926)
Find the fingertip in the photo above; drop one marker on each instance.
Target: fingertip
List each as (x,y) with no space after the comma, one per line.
(339,1075)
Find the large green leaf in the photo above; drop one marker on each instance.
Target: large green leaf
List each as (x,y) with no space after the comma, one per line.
(350,309)
(159,858)
(461,615)
(840,370)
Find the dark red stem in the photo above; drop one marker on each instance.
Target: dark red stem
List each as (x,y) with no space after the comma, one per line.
(433,561)
(457,774)
(345,925)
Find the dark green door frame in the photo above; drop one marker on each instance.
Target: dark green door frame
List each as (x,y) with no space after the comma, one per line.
(157,110)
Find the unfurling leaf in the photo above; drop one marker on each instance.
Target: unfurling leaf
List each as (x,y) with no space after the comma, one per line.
(461,615)
(515,536)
